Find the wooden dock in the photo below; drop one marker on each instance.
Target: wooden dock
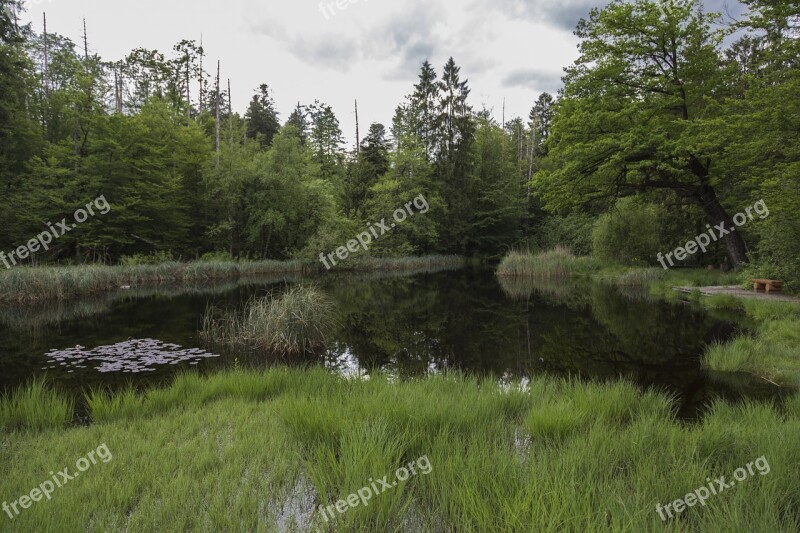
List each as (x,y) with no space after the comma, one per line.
(737,291)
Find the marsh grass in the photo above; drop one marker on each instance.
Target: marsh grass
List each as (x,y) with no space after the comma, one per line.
(35,406)
(298,321)
(34,284)
(558,263)
(37,284)
(771,352)
(502,458)
(640,277)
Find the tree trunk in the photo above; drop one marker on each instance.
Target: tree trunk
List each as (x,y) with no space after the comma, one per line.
(716,213)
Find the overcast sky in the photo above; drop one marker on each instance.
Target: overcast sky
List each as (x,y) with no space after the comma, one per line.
(371,50)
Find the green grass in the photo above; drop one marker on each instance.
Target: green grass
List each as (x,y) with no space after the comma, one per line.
(555,264)
(245,451)
(34,407)
(299,321)
(772,351)
(640,277)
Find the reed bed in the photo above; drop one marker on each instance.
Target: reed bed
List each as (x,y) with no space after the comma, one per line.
(299,321)
(558,263)
(33,284)
(37,284)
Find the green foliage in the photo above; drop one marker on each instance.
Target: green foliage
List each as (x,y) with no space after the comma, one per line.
(630,233)
(153,258)
(659,106)
(410,177)
(262,118)
(216,257)
(572,231)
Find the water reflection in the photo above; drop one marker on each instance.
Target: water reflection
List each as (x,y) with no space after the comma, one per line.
(405,325)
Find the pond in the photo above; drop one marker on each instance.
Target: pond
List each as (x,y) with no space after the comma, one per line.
(403,325)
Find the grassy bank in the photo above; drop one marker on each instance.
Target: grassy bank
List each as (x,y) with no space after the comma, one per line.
(248,451)
(771,352)
(33,284)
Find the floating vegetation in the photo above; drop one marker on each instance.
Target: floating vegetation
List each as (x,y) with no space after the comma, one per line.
(132,356)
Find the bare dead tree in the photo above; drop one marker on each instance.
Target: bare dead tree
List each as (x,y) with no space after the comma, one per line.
(188,93)
(202,87)
(45,71)
(358,137)
(117,95)
(217,111)
(85,41)
(230,113)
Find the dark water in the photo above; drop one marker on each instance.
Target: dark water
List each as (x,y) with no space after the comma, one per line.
(407,326)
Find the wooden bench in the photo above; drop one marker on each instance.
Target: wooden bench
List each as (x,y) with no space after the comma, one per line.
(768,285)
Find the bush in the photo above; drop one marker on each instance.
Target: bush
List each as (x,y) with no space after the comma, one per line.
(573,231)
(777,254)
(153,258)
(217,257)
(630,233)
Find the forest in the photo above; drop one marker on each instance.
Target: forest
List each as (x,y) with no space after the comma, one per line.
(664,125)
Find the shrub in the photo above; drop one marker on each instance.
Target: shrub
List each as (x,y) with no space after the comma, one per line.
(153,258)
(217,257)
(630,233)
(573,231)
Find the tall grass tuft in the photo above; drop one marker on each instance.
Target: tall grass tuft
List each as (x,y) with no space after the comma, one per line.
(35,406)
(554,264)
(640,277)
(296,322)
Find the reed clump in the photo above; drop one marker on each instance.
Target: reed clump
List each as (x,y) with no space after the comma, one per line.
(299,321)
(557,263)
(35,406)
